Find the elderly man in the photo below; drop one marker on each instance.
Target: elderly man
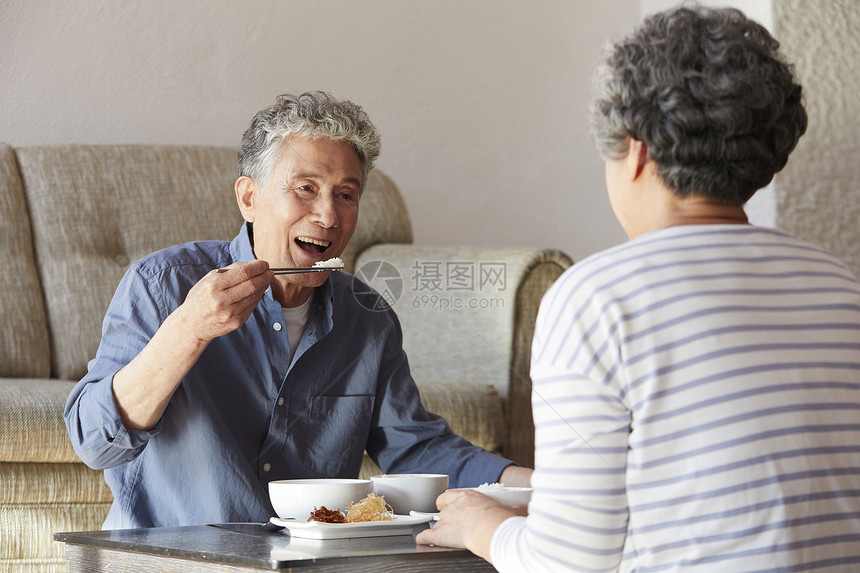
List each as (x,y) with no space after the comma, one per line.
(215,376)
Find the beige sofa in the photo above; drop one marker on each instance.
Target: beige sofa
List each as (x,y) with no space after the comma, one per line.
(72,218)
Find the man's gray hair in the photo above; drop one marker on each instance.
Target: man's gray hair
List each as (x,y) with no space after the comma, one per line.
(312,115)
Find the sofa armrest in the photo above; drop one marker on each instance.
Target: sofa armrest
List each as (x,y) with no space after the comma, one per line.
(31,421)
(468,314)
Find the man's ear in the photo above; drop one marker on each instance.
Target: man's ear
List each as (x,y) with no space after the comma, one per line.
(637,158)
(246,195)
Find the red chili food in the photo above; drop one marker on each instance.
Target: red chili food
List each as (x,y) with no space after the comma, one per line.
(326,515)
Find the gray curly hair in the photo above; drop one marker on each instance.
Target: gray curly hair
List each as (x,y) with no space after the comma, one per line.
(709,95)
(311,115)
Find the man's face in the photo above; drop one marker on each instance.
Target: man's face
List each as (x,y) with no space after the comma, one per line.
(307,209)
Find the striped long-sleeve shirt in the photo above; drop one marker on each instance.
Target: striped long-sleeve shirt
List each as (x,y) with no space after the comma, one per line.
(697,408)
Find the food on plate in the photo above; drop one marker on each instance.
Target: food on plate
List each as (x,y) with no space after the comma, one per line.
(371,508)
(326,515)
(489,486)
(506,495)
(329,264)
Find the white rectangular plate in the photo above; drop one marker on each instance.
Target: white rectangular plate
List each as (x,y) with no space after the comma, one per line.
(400,525)
(433,516)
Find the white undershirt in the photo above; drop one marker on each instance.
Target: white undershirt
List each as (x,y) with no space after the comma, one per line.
(295,318)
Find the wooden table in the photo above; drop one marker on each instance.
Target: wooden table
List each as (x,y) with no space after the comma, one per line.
(231,548)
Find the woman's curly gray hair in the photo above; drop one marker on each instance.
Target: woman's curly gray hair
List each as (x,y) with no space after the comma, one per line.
(312,115)
(709,95)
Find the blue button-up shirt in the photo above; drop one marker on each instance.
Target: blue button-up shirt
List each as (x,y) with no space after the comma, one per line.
(247,413)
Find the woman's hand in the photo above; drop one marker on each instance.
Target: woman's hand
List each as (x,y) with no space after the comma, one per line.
(467,519)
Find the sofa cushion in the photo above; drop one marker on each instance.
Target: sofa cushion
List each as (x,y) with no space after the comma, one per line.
(24,346)
(39,499)
(31,421)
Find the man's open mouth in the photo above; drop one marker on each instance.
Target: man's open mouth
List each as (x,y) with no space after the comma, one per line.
(312,245)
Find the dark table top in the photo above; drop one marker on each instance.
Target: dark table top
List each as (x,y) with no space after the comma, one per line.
(249,544)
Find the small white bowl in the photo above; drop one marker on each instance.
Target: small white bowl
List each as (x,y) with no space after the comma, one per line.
(410,492)
(297,498)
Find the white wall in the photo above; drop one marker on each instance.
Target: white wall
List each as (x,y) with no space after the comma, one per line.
(817,192)
(482,104)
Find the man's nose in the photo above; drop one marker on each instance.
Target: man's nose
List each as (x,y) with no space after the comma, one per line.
(324,212)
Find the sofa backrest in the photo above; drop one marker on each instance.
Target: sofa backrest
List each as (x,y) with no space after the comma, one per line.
(24,348)
(96,209)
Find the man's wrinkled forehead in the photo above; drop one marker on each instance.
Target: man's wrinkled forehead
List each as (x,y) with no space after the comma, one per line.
(302,168)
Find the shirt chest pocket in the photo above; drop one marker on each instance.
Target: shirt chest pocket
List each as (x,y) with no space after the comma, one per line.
(358,408)
(338,432)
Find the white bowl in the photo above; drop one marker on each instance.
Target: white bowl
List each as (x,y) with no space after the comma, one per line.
(506,495)
(410,492)
(297,498)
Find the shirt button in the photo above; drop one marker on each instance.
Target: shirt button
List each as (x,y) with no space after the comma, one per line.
(277,326)
(267,467)
(281,401)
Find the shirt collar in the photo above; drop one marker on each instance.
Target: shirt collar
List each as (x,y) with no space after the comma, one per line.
(240,247)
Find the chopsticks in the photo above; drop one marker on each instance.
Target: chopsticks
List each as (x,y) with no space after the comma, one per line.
(295,270)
